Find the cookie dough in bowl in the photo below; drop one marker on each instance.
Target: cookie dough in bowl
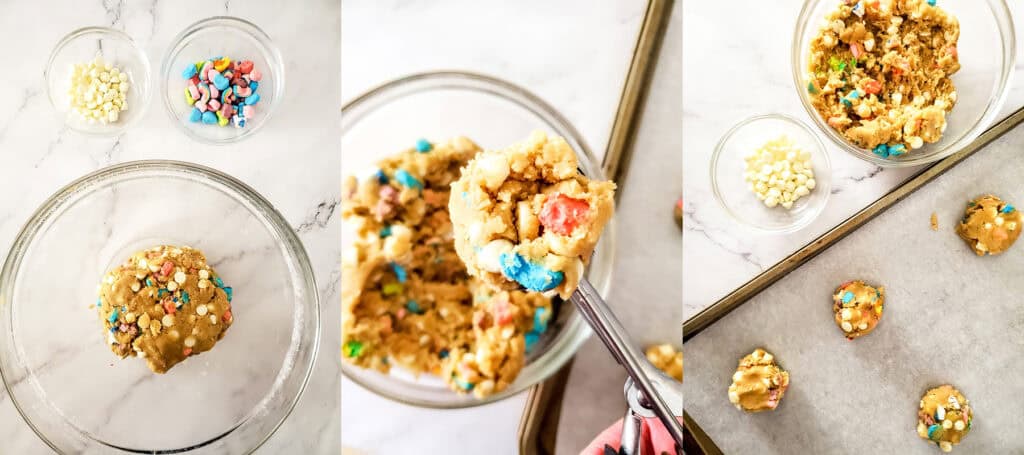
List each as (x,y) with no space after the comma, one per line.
(525,217)
(164,304)
(245,371)
(407,300)
(879,73)
(903,82)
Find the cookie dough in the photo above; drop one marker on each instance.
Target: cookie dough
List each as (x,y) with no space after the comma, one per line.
(989,226)
(879,73)
(525,216)
(164,304)
(857,307)
(406,297)
(944,417)
(666,358)
(758,384)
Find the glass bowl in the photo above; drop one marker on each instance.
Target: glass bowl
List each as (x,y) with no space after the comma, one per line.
(114,47)
(76,394)
(733,192)
(214,37)
(986,52)
(493,113)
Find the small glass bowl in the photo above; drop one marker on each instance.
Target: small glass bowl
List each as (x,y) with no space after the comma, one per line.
(114,47)
(734,193)
(986,53)
(233,38)
(55,362)
(493,113)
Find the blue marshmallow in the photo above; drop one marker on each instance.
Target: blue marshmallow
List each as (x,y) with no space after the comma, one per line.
(533,277)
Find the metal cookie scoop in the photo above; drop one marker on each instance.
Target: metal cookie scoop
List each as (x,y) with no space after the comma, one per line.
(648,391)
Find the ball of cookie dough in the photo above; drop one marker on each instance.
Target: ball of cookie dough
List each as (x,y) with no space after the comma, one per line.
(989,226)
(758,384)
(857,307)
(666,358)
(164,304)
(525,217)
(944,417)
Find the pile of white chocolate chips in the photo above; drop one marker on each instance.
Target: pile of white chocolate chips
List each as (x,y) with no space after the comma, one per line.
(779,173)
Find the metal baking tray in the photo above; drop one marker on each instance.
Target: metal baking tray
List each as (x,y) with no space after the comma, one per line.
(950,317)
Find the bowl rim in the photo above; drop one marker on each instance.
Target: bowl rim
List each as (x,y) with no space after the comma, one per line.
(825,189)
(272,54)
(146,90)
(576,329)
(1004,20)
(27,234)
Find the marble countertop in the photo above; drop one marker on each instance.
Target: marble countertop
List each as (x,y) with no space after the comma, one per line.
(731,73)
(950,317)
(293,161)
(576,62)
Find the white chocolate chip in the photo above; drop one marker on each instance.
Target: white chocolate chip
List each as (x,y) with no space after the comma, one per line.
(136,286)
(190,341)
(959,425)
(494,168)
(179,277)
(201,310)
(213,319)
(172,286)
(167,320)
(203,284)
(847,327)
(489,257)
(204,274)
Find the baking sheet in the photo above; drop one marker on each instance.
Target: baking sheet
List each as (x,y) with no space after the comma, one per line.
(950,317)
(646,291)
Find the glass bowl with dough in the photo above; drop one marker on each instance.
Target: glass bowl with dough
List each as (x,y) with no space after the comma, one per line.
(985,50)
(732,190)
(437,107)
(236,39)
(103,46)
(80,397)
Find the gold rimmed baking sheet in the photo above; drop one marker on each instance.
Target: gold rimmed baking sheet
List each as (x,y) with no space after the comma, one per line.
(930,269)
(539,424)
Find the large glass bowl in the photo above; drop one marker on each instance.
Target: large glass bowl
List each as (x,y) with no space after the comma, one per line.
(986,50)
(214,37)
(114,47)
(81,398)
(493,113)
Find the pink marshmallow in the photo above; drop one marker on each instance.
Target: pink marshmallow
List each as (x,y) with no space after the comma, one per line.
(193,91)
(214,93)
(256,75)
(214,105)
(212,74)
(201,106)
(202,71)
(248,111)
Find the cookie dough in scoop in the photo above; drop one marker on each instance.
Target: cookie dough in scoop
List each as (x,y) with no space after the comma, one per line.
(164,304)
(525,216)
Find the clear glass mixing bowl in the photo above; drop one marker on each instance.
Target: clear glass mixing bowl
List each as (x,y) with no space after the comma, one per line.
(986,50)
(81,398)
(493,113)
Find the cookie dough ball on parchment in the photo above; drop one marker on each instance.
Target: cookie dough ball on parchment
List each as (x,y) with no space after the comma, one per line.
(759,383)
(990,225)
(944,417)
(525,216)
(857,307)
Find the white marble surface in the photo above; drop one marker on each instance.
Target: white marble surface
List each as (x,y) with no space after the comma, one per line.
(950,317)
(733,69)
(293,161)
(573,54)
